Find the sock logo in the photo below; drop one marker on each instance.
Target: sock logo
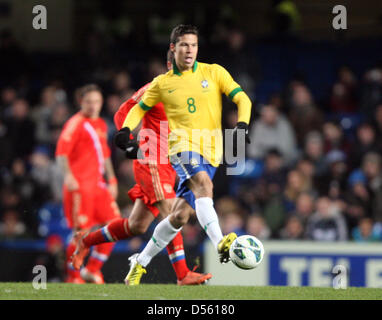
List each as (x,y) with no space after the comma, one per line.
(206,226)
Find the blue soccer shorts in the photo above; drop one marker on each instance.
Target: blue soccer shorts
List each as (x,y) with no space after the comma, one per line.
(187,164)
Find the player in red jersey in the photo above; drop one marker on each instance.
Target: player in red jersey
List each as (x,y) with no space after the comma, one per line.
(153,193)
(84,156)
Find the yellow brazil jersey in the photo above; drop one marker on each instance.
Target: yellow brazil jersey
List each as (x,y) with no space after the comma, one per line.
(193,105)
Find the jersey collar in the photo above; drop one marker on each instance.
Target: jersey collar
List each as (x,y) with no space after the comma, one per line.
(177,72)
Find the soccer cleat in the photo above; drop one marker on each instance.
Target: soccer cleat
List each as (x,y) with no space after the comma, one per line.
(92,277)
(136,272)
(194,278)
(81,251)
(224,245)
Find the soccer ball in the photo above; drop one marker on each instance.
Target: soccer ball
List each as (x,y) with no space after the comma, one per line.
(246,252)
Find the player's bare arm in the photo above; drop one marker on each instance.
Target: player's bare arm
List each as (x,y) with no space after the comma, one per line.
(69,180)
(111,179)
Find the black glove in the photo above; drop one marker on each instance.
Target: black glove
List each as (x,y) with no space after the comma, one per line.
(122,138)
(244,126)
(132,150)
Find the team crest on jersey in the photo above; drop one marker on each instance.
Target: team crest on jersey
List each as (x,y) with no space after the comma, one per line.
(205,84)
(82,219)
(194,162)
(167,187)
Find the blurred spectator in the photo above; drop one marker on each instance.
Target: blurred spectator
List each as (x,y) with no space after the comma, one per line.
(113,102)
(257,226)
(5,144)
(371,167)
(232,221)
(122,85)
(344,97)
(358,199)
(231,215)
(371,91)
(8,96)
(334,182)
(20,130)
(23,193)
(227,204)
(327,223)
(9,198)
(334,138)
(272,180)
(60,115)
(11,226)
(47,173)
(296,184)
(239,60)
(42,113)
(155,68)
(305,206)
(303,114)
(365,142)
(272,131)
(366,231)
(306,167)
(293,229)
(314,151)
(274,214)
(377,122)
(192,234)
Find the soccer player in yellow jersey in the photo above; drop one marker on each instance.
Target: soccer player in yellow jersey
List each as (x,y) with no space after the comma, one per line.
(191,93)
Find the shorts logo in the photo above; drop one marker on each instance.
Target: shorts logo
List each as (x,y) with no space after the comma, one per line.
(194,163)
(204,83)
(82,219)
(167,187)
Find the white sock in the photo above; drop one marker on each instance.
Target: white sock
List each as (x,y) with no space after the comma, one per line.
(208,219)
(163,233)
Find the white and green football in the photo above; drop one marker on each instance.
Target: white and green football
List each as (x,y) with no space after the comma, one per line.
(246,252)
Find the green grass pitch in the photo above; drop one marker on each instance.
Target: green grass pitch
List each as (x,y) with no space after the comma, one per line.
(63,291)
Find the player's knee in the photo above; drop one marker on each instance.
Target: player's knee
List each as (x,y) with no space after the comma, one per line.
(203,187)
(137,228)
(179,218)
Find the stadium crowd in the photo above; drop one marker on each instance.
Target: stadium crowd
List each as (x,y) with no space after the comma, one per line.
(309,173)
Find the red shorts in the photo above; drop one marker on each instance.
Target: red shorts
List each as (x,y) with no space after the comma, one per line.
(87,207)
(154,183)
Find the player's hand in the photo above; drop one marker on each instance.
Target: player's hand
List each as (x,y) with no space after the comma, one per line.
(122,138)
(71,183)
(131,151)
(240,126)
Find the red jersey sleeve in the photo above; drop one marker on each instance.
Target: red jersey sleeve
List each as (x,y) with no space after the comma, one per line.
(122,112)
(125,107)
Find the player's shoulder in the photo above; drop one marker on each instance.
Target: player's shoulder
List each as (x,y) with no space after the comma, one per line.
(162,77)
(71,125)
(136,97)
(210,66)
(75,120)
(102,122)
(215,70)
